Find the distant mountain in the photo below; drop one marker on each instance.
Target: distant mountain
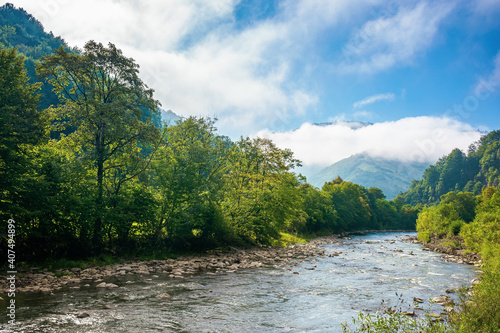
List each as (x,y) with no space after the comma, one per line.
(347,123)
(392,177)
(169,117)
(458,171)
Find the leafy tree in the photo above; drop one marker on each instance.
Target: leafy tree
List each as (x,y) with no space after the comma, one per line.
(21,125)
(320,214)
(351,203)
(188,181)
(262,196)
(103,100)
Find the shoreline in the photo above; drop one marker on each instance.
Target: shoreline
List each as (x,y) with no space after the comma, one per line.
(449,254)
(46,282)
(36,280)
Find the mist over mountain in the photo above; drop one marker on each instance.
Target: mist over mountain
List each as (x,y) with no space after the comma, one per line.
(391,176)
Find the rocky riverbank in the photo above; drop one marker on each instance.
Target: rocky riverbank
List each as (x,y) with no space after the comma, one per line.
(450,253)
(44,281)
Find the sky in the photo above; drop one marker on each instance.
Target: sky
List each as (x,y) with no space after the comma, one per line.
(424,74)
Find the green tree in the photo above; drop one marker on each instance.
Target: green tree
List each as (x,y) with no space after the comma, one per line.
(103,101)
(188,181)
(262,196)
(21,124)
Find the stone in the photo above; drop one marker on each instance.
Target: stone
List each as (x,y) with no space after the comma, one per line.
(408,313)
(82,315)
(441,300)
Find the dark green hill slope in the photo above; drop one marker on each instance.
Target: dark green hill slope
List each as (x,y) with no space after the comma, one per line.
(23,31)
(458,171)
(392,177)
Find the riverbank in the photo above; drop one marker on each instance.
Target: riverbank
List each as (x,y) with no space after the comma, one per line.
(452,250)
(44,281)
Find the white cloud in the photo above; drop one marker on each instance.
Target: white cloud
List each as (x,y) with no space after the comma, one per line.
(374,98)
(423,139)
(390,40)
(485,87)
(362,114)
(194,57)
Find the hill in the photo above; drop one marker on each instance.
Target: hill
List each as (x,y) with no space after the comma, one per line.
(392,177)
(23,31)
(458,171)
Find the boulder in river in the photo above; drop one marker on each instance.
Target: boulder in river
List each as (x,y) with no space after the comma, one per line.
(82,315)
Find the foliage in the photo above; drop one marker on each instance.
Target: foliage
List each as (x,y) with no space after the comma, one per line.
(20,30)
(395,319)
(481,312)
(103,100)
(447,218)
(459,172)
(478,310)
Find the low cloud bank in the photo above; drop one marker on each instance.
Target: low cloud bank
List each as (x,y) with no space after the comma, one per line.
(415,139)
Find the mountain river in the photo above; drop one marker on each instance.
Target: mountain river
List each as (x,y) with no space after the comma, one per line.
(311,295)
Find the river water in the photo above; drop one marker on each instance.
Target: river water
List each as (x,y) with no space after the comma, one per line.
(311,295)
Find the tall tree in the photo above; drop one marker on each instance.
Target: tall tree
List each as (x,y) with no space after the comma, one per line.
(104,102)
(20,122)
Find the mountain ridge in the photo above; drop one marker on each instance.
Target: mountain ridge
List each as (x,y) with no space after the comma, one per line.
(391,176)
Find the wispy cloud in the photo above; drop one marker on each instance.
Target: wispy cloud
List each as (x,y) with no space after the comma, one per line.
(390,40)
(374,98)
(489,85)
(422,139)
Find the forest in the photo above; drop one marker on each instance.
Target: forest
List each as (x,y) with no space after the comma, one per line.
(95,174)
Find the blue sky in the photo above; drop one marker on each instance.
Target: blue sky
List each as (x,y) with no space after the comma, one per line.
(272,68)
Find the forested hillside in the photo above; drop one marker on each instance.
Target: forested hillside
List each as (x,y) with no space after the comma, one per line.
(458,171)
(20,30)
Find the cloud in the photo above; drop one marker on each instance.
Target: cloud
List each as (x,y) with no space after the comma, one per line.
(486,86)
(374,98)
(194,56)
(488,7)
(422,139)
(394,38)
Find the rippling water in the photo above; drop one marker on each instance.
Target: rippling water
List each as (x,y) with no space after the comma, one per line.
(325,292)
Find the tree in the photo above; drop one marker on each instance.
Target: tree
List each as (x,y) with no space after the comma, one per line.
(188,172)
(21,125)
(104,101)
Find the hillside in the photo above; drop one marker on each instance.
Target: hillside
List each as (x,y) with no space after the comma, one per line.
(392,177)
(23,31)
(458,171)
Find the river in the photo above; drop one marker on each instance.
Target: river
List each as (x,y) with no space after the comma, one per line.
(311,295)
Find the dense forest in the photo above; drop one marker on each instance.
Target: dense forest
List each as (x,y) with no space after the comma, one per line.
(458,171)
(95,172)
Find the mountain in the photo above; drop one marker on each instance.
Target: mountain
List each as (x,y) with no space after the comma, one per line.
(392,177)
(346,123)
(23,31)
(169,117)
(458,171)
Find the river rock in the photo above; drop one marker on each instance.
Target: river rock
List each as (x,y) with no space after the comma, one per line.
(441,300)
(82,315)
